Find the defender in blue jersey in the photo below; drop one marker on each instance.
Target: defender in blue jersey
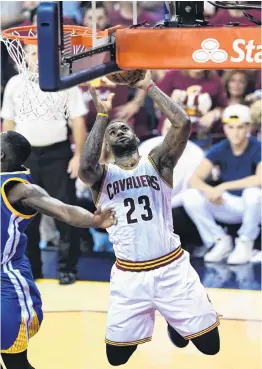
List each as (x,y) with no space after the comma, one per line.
(21,306)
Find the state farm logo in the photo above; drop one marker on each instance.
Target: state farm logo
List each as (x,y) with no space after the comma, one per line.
(242,51)
(210,51)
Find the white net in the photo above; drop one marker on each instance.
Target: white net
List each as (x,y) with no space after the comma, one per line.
(35,103)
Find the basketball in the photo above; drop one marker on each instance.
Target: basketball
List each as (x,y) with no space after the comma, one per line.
(127,77)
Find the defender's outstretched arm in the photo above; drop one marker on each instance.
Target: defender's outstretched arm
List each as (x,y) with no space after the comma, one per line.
(36,198)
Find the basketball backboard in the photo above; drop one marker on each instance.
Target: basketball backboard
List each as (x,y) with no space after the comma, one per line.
(67,58)
(63,60)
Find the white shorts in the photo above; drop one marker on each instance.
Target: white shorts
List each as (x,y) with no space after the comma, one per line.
(174,290)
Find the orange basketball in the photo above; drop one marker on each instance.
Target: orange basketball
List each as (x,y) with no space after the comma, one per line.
(127,77)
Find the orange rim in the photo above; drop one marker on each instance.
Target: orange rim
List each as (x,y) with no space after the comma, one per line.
(79,35)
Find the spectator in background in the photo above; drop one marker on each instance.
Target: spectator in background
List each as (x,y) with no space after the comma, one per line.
(52,163)
(238,83)
(102,21)
(237,199)
(15,12)
(32,16)
(225,16)
(124,15)
(71,10)
(202,95)
(30,9)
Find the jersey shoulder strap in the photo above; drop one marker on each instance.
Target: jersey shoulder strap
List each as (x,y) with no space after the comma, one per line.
(6,178)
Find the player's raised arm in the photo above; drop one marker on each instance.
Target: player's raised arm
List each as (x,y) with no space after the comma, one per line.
(36,198)
(90,170)
(167,154)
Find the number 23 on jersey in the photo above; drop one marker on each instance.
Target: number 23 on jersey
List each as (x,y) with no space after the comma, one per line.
(132,204)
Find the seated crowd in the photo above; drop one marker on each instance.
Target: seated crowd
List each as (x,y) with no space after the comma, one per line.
(217,181)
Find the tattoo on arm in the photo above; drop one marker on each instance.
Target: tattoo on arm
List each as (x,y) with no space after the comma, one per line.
(172,110)
(90,169)
(167,154)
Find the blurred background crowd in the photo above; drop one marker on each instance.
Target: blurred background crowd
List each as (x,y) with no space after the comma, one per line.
(209,97)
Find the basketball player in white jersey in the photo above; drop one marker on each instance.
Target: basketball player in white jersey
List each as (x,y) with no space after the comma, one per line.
(152,271)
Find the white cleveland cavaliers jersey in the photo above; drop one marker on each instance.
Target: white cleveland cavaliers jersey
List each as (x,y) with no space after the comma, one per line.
(142,201)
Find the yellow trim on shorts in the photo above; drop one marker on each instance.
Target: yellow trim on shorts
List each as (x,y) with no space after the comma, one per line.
(190,337)
(102,185)
(21,342)
(34,326)
(157,170)
(7,203)
(151,264)
(132,343)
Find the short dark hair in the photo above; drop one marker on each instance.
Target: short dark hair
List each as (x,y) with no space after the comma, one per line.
(17,146)
(250,81)
(118,121)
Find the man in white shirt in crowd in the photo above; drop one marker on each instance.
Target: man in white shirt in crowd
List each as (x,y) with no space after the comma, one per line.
(53,164)
(237,199)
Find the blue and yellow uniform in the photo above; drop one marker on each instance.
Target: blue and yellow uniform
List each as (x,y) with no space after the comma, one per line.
(21,305)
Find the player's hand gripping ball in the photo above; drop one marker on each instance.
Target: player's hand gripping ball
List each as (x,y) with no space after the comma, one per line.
(127,77)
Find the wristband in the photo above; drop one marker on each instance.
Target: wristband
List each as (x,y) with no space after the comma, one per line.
(152,84)
(103,114)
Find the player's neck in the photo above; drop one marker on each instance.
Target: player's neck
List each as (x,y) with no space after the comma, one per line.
(127,159)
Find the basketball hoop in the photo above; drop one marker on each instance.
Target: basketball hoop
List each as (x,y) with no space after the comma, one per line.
(21,43)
